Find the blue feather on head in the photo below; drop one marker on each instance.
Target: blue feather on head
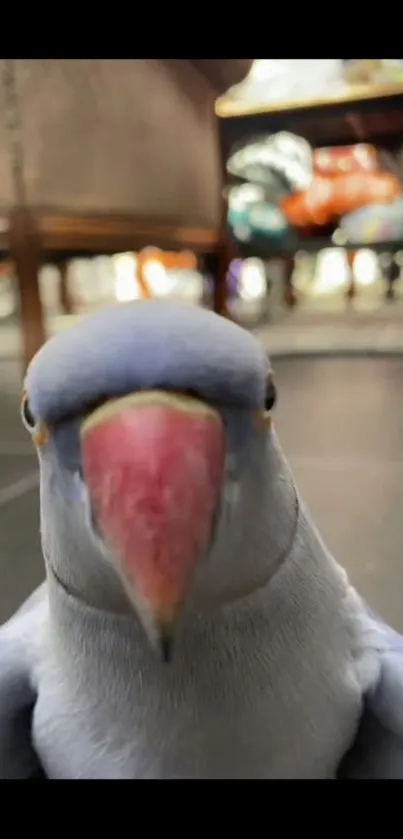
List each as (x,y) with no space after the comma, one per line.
(147,345)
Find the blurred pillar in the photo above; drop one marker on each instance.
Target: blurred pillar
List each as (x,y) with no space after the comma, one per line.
(392,275)
(25,249)
(65,298)
(290,297)
(224,248)
(351,288)
(222,262)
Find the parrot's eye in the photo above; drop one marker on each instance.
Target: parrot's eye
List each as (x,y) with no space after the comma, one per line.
(271,393)
(27,415)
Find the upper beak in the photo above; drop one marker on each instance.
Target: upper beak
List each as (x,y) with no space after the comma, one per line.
(153,465)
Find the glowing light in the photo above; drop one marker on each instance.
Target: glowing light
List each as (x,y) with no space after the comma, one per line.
(126,286)
(365,268)
(252,280)
(264,68)
(331,271)
(158,279)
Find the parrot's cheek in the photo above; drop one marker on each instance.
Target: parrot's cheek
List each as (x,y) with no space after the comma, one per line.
(153,465)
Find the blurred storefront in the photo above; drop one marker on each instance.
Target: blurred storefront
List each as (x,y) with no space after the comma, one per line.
(312,151)
(255,295)
(312,156)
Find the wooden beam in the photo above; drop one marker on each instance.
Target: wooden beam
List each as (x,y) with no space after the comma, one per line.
(102,233)
(25,250)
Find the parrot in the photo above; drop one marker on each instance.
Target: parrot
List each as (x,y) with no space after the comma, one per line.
(192,623)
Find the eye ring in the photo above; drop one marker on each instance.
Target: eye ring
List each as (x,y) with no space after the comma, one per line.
(271,393)
(27,416)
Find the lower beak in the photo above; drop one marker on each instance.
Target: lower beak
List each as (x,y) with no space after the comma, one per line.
(153,465)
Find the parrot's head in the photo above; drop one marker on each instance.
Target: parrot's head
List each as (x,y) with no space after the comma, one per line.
(144,417)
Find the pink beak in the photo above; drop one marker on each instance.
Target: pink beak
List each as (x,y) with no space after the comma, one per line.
(153,465)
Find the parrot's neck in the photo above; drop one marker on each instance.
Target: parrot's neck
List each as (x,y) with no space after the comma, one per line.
(255,536)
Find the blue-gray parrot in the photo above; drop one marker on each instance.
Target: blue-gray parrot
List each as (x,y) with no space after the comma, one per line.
(192,624)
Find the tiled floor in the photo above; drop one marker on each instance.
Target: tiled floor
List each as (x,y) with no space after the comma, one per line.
(328,323)
(341,425)
(305,332)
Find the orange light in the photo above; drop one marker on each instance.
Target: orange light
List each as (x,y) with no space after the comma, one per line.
(170,260)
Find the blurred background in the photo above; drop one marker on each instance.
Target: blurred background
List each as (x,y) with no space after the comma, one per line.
(268,190)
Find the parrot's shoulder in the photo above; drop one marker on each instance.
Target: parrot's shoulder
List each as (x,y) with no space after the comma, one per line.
(377,751)
(19,650)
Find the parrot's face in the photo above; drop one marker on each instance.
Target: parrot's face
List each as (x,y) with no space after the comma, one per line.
(145,415)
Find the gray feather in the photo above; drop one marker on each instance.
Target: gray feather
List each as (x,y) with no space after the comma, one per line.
(377,752)
(18,759)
